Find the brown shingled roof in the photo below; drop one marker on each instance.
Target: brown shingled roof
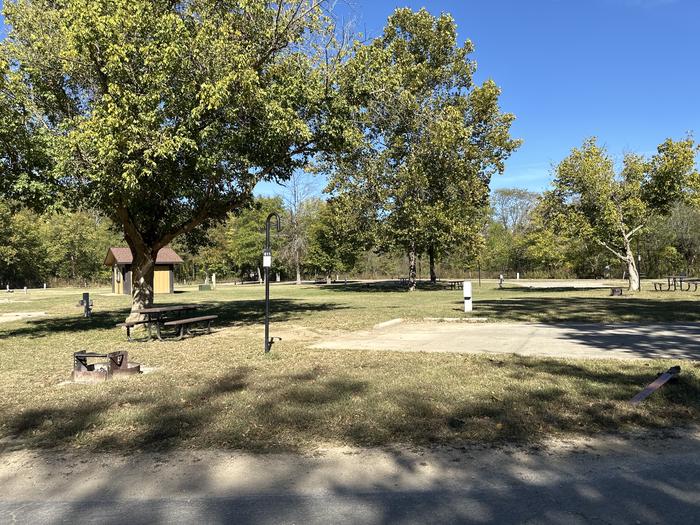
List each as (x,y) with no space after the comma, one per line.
(123,256)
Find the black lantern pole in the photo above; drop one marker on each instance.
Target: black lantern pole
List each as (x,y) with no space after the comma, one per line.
(267,263)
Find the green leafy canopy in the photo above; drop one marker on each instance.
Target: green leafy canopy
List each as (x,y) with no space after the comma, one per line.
(165,114)
(427,139)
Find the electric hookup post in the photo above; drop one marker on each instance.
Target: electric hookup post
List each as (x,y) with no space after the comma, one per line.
(267,263)
(86,303)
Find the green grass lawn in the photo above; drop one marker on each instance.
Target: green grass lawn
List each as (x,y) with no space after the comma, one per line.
(220,390)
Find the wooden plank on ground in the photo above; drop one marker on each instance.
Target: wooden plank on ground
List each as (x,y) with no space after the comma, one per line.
(654,386)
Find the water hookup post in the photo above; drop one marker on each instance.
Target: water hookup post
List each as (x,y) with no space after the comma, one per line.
(267,263)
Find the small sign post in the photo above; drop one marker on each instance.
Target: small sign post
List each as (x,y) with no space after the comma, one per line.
(267,264)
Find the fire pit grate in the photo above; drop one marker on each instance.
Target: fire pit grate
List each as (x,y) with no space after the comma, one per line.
(117,365)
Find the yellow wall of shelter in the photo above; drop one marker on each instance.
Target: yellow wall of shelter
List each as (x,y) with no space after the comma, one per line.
(119,280)
(161,279)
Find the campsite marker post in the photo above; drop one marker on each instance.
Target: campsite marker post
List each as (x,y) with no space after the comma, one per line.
(467,289)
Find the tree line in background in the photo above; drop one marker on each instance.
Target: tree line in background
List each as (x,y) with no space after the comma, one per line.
(53,247)
(156,119)
(70,247)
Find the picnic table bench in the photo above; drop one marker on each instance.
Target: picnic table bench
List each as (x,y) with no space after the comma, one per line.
(183,325)
(117,364)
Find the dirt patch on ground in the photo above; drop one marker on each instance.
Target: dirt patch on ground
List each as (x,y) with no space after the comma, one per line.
(68,474)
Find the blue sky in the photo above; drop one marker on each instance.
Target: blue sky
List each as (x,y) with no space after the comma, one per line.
(626,71)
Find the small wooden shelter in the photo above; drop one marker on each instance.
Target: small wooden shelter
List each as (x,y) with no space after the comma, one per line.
(120,260)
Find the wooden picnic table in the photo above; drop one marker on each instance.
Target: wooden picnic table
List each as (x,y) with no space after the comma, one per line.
(156,315)
(165,309)
(677,281)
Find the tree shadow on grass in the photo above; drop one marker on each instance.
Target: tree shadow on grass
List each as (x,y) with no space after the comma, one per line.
(47,326)
(558,289)
(242,312)
(527,415)
(290,411)
(587,309)
(289,403)
(251,312)
(384,286)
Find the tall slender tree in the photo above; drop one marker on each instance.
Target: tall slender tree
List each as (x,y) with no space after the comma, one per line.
(300,210)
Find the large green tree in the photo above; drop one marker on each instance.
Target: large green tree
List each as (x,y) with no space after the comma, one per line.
(246,237)
(22,257)
(591,200)
(335,239)
(24,151)
(429,139)
(164,114)
(75,245)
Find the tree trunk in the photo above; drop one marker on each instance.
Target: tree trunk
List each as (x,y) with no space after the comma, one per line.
(431,255)
(632,272)
(142,269)
(328,277)
(412,258)
(260,275)
(298,269)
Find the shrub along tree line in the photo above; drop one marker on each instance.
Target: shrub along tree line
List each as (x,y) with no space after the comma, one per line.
(53,247)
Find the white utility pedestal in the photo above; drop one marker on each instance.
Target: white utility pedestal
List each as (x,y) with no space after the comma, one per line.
(467,289)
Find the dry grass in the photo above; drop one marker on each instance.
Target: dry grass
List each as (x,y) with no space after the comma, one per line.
(222,391)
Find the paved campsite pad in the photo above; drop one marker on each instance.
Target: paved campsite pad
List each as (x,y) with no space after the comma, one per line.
(575,341)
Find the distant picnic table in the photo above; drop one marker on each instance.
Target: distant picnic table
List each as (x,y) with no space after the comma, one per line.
(455,284)
(677,281)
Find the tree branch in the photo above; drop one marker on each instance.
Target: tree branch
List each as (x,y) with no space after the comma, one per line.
(635,230)
(617,254)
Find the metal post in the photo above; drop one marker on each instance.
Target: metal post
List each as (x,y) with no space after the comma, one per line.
(267,263)
(86,304)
